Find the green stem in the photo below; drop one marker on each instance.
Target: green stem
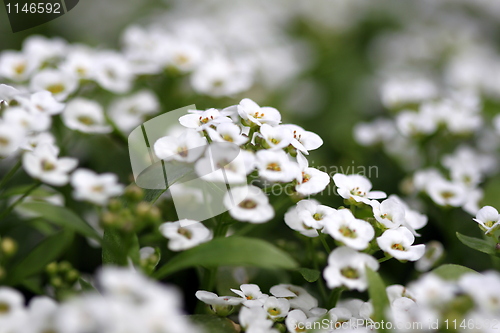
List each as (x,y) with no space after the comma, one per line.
(323,241)
(246,229)
(321,284)
(9,174)
(334,297)
(384,259)
(15,203)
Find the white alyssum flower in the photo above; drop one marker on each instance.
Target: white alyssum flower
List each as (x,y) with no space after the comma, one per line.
(86,116)
(276,308)
(44,50)
(59,83)
(390,213)
(356,187)
(346,267)
(305,212)
(200,120)
(399,244)
(277,137)
(42,163)
(488,219)
(254,318)
(446,193)
(8,94)
(352,232)
(27,121)
(11,301)
(16,66)
(297,296)
(484,289)
(225,163)
(221,305)
(91,187)
(434,251)
(186,147)
(276,166)
(43,102)
(251,295)
(227,132)
(249,204)
(185,234)
(113,72)
(413,219)
(11,137)
(129,111)
(311,181)
(297,321)
(412,123)
(80,62)
(33,140)
(183,55)
(220,77)
(398,91)
(255,114)
(376,132)
(304,140)
(431,290)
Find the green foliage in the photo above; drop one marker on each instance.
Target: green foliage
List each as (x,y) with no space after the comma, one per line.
(452,272)
(378,295)
(214,324)
(62,217)
(478,244)
(310,275)
(45,252)
(236,251)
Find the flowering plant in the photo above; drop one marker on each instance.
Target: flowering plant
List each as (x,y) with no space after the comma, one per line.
(123,210)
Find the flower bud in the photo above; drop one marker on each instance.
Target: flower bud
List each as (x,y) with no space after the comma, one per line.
(8,246)
(134,193)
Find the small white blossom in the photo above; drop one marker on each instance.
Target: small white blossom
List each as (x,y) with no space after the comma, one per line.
(356,187)
(346,267)
(352,232)
(129,112)
(297,296)
(225,163)
(434,251)
(276,166)
(42,163)
(276,308)
(251,295)
(113,72)
(221,305)
(311,181)
(43,102)
(187,147)
(59,83)
(16,66)
(399,244)
(446,193)
(432,290)
(11,137)
(248,203)
(200,120)
(276,137)
(185,234)
(253,113)
(304,140)
(27,121)
(227,132)
(86,116)
(95,188)
(488,218)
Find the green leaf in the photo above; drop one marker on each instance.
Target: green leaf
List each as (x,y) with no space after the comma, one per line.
(378,294)
(452,272)
(230,251)
(477,244)
(118,246)
(310,275)
(63,217)
(45,252)
(213,324)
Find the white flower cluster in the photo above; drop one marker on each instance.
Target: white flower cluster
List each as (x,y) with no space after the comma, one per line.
(444,110)
(423,305)
(25,127)
(393,217)
(128,302)
(267,152)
